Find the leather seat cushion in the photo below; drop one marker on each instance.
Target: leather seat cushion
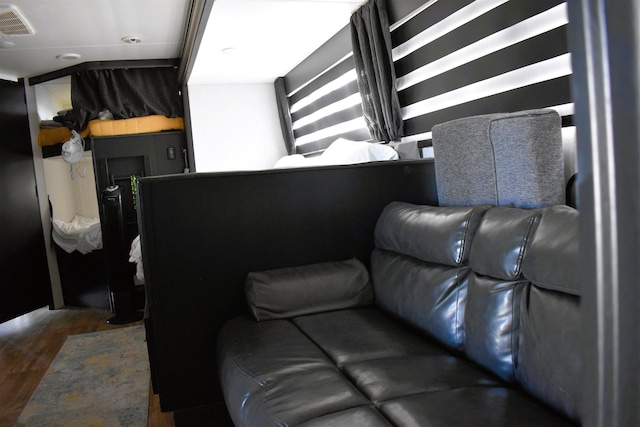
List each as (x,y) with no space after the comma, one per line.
(362,416)
(355,335)
(471,406)
(390,378)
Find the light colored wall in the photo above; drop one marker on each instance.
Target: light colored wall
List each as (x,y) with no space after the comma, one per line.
(71,195)
(235,127)
(47,105)
(38,168)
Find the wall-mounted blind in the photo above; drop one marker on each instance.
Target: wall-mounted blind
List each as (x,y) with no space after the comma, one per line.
(453,59)
(323,97)
(459,58)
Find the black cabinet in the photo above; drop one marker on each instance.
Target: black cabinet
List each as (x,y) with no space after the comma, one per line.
(118,162)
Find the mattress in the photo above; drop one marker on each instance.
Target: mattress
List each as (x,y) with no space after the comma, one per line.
(52,136)
(135,125)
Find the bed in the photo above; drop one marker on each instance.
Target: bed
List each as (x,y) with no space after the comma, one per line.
(73,192)
(51,137)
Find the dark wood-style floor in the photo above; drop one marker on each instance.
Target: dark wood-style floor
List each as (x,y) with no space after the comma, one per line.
(28,345)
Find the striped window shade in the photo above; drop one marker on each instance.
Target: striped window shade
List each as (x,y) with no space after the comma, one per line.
(453,59)
(459,58)
(323,97)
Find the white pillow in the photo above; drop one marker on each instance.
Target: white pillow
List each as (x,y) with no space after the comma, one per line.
(294,160)
(344,151)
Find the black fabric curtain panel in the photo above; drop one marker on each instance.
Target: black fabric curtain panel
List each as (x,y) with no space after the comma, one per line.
(284,113)
(371,43)
(125,93)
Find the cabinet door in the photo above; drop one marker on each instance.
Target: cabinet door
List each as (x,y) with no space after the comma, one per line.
(24,275)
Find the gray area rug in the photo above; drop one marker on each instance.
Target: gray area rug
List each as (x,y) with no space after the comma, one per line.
(97,379)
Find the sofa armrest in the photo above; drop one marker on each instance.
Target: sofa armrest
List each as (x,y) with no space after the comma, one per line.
(314,288)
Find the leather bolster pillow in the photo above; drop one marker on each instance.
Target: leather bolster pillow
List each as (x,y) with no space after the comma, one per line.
(313,288)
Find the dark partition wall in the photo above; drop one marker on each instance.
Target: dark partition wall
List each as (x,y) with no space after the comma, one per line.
(605,45)
(23,263)
(202,234)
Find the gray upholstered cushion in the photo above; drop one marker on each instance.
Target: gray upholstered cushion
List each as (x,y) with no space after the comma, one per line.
(511,159)
(294,291)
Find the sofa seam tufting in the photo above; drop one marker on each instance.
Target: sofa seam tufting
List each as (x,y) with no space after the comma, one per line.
(525,238)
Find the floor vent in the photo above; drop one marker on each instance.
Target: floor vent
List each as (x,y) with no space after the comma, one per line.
(12,23)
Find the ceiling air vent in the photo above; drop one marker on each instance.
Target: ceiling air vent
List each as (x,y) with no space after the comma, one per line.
(12,23)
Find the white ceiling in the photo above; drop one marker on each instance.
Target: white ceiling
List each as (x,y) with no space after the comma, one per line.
(270,36)
(93,29)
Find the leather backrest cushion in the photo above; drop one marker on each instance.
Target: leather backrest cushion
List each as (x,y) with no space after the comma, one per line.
(552,257)
(428,296)
(491,323)
(549,359)
(494,289)
(440,235)
(549,356)
(314,288)
(500,243)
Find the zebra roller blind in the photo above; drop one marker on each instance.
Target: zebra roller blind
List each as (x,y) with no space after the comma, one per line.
(323,97)
(459,58)
(453,58)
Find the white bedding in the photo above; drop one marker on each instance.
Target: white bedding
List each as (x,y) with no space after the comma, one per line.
(341,152)
(82,234)
(135,255)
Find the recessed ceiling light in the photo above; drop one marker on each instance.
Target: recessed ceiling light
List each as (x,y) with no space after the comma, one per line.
(6,44)
(132,39)
(68,57)
(230,50)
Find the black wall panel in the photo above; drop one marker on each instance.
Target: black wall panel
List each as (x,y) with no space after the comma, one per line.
(25,282)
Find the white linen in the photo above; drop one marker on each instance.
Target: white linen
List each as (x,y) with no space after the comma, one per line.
(82,234)
(135,255)
(342,152)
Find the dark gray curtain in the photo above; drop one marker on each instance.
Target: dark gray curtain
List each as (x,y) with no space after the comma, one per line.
(285,115)
(127,93)
(371,43)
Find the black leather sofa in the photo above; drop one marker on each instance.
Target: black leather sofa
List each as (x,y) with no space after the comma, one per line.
(465,316)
